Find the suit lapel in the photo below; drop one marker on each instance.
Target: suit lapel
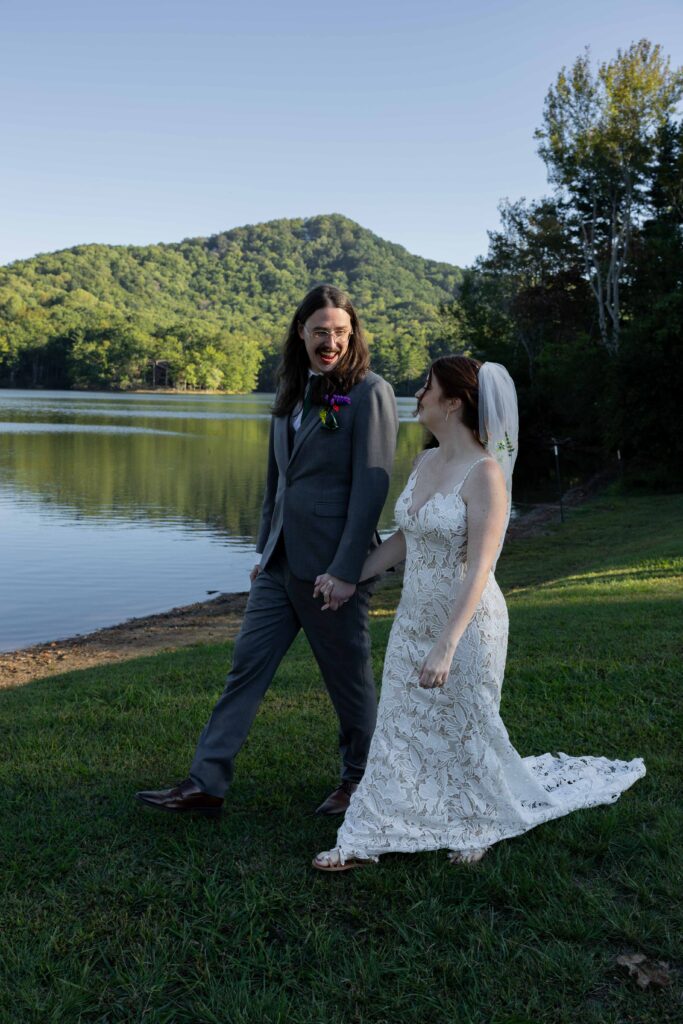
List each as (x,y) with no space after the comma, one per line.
(282,452)
(311,423)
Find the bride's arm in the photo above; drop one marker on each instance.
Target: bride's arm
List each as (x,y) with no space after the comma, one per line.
(385,556)
(486,515)
(391,551)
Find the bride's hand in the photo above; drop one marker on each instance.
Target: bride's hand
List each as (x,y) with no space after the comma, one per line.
(334,592)
(434,672)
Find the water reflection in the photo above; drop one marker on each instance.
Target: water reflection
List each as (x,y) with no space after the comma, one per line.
(102,520)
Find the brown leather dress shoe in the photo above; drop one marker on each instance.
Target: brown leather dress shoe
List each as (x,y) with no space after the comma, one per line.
(184,798)
(338,801)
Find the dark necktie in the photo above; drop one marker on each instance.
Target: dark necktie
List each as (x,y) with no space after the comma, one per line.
(308,403)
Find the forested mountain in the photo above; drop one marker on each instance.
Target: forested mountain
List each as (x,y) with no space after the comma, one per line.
(580,294)
(211,312)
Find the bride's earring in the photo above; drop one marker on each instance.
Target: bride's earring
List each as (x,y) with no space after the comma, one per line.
(448,412)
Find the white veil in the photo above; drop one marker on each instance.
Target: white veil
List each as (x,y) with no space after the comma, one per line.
(499,422)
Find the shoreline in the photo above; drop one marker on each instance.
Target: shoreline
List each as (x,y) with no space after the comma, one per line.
(212,621)
(205,622)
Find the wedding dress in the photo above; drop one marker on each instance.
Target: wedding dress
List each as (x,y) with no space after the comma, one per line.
(441,772)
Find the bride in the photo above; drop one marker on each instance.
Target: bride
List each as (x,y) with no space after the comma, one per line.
(442,773)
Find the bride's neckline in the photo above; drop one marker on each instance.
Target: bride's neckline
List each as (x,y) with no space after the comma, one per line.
(440,494)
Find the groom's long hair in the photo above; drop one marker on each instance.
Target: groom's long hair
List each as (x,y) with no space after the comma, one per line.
(293,369)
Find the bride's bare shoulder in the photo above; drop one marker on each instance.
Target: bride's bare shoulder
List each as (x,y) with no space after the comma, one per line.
(486,478)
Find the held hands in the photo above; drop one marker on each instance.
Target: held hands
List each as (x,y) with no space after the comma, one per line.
(437,665)
(334,592)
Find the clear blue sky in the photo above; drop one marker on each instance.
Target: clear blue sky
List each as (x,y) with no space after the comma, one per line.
(157,120)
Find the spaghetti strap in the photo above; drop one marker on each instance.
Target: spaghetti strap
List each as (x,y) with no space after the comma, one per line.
(454,490)
(420,458)
(483,458)
(423,456)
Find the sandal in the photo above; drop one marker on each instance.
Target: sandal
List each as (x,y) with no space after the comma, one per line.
(332,860)
(467,856)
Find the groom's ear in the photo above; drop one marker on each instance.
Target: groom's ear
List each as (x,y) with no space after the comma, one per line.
(300,329)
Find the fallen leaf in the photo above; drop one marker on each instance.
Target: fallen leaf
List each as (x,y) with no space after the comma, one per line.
(646,972)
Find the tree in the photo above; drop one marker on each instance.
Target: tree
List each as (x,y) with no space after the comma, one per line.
(599,138)
(235,292)
(646,416)
(527,292)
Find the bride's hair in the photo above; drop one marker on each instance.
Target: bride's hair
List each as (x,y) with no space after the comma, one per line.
(459,378)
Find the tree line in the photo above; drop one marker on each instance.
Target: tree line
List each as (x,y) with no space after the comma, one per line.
(210,313)
(581,291)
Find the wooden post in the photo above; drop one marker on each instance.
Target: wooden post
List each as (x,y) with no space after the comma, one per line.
(556,449)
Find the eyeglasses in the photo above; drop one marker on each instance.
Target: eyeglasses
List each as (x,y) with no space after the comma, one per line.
(318,334)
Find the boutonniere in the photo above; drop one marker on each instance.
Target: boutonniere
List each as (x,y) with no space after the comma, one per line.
(331,405)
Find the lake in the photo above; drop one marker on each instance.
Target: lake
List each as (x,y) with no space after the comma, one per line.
(114,506)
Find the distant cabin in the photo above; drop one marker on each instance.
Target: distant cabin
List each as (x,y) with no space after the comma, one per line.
(159,374)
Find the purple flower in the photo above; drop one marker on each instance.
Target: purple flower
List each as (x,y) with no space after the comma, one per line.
(333,403)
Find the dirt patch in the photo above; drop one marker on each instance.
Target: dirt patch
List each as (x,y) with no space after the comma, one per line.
(204,623)
(539,519)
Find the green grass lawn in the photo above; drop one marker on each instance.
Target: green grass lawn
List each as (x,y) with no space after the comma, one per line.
(112,913)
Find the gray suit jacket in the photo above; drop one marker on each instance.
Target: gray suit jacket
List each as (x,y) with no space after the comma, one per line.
(325,495)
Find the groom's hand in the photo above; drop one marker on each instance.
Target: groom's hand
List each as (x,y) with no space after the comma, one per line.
(254,573)
(334,592)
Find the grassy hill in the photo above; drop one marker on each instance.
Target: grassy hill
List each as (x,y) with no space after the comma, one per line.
(97,314)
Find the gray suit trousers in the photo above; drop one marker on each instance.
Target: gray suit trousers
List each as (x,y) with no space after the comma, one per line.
(279,606)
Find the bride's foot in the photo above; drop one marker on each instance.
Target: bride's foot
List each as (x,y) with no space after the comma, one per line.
(467,856)
(331,860)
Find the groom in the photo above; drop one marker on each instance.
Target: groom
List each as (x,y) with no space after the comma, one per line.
(331,448)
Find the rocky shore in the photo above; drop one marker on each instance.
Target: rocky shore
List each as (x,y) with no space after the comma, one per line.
(207,622)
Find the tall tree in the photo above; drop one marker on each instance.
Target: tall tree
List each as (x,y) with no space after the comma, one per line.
(598,139)
(647,419)
(528,291)
(535,261)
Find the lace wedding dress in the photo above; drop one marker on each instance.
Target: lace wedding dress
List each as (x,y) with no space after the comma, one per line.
(442,773)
